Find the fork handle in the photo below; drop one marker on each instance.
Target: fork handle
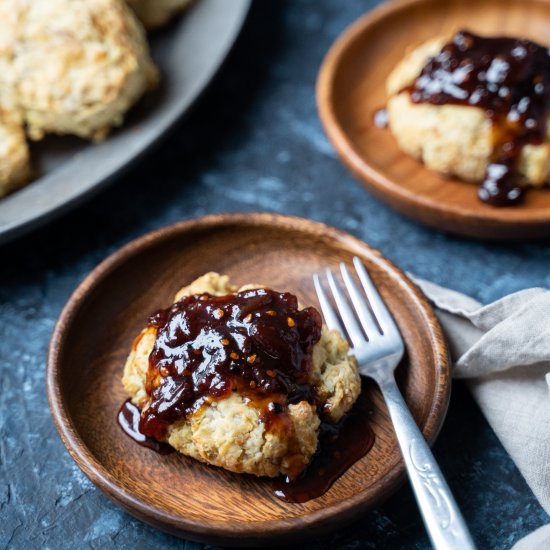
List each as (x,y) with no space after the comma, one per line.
(442,518)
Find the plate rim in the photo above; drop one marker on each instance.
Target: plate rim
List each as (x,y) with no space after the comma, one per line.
(272,530)
(535,223)
(25,224)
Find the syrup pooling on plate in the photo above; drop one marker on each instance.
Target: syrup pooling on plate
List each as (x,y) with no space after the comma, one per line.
(510,79)
(128,419)
(256,342)
(340,447)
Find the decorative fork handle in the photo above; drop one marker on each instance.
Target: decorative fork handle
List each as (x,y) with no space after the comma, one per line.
(443,520)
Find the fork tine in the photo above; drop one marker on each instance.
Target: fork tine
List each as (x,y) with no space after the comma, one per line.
(346,313)
(331,318)
(370,326)
(381,312)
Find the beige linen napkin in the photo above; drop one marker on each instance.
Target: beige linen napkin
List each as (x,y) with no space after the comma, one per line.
(504,350)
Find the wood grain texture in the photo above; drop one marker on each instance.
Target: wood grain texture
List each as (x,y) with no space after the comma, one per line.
(351,87)
(94,333)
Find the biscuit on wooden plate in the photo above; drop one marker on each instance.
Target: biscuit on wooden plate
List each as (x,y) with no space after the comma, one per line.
(228,432)
(452,139)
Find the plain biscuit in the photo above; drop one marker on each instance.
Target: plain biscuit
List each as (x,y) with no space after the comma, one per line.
(75,66)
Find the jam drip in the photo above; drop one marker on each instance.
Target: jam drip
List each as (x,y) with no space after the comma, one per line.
(340,446)
(255,342)
(128,419)
(510,80)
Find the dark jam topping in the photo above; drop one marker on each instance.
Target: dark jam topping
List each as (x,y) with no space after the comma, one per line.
(340,446)
(510,80)
(255,342)
(128,419)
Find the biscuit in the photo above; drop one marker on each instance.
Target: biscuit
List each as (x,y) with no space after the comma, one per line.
(454,140)
(228,432)
(75,66)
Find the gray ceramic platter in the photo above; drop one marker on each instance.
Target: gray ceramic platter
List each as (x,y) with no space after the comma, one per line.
(188,52)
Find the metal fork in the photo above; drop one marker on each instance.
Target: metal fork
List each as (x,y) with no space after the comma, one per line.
(378,348)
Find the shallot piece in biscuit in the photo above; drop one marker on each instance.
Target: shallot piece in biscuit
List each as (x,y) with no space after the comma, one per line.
(75,66)
(476,108)
(240,378)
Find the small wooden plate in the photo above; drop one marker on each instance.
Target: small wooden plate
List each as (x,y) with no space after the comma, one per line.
(95,331)
(351,88)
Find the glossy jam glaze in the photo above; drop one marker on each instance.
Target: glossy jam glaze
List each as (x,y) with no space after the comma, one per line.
(340,446)
(510,80)
(256,342)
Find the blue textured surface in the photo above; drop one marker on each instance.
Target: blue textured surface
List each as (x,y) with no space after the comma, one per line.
(254,142)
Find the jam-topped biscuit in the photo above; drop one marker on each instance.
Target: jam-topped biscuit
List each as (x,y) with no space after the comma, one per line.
(240,378)
(477,108)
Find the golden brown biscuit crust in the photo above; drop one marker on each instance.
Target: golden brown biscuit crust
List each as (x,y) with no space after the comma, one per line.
(75,66)
(15,168)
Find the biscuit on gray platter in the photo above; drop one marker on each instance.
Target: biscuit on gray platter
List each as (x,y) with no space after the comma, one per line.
(75,67)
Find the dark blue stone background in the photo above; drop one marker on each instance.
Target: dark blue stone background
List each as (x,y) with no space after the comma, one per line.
(253,142)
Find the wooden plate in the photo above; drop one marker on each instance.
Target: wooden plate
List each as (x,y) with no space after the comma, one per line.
(93,337)
(351,87)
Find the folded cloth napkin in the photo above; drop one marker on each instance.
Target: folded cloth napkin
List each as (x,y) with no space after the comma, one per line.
(503,349)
